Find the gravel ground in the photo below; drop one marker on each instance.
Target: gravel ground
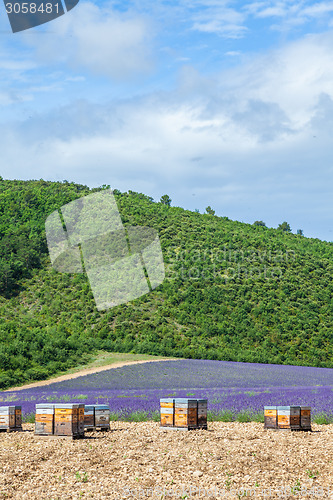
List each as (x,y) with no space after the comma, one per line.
(139,460)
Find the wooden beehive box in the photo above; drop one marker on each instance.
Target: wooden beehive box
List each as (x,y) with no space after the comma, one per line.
(18,417)
(10,418)
(306,418)
(89,416)
(102,416)
(69,419)
(202,413)
(167,410)
(44,419)
(186,413)
(289,417)
(270,417)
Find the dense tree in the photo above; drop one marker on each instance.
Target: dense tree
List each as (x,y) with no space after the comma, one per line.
(284,226)
(166,200)
(231,291)
(210,211)
(259,223)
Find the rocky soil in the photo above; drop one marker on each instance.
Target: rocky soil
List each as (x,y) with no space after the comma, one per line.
(139,460)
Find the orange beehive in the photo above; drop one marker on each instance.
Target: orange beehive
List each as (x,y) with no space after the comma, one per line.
(270,417)
(44,419)
(167,412)
(289,417)
(186,413)
(69,419)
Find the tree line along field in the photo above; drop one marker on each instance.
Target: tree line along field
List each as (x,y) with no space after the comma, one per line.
(233,291)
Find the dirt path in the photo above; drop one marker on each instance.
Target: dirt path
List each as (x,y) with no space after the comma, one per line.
(81,373)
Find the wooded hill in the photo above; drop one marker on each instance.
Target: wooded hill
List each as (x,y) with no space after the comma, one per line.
(233,291)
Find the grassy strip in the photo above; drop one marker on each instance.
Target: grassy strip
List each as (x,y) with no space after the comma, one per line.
(222,416)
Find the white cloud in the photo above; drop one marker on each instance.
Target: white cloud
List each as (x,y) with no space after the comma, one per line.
(99,40)
(233,53)
(318,9)
(252,142)
(278,11)
(219,19)
(292,77)
(292,13)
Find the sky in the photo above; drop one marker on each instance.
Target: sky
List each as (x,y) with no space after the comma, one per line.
(213,102)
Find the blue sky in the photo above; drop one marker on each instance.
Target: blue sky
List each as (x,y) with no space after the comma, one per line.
(220,103)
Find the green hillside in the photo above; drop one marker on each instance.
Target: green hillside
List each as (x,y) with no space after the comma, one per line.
(233,291)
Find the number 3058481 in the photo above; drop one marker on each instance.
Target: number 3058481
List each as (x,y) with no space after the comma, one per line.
(31,8)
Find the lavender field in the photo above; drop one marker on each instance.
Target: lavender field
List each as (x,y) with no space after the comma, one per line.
(234,390)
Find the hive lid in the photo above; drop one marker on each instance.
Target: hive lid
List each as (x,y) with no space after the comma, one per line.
(185,400)
(287,407)
(101,407)
(45,405)
(46,411)
(7,409)
(272,407)
(68,405)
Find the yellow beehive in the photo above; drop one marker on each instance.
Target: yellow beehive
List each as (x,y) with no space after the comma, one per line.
(167,409)
(69,419)
(270,417)
(289,417)
(44,419)
(186,413)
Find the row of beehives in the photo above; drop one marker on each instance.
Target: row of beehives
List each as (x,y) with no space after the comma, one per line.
(183,413)
(59,419)
(295,418)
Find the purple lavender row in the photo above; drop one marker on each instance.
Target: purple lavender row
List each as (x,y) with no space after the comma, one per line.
(202,374)
(126,402)
(228,386)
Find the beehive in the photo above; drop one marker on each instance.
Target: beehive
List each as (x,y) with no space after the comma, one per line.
(289,417)
(89,416)
(186,413)
(167,411)
(44,419)
(18,417)
(202,413)
(10,418)
(102,416)
(69,419)
(306,418)
(270,417)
